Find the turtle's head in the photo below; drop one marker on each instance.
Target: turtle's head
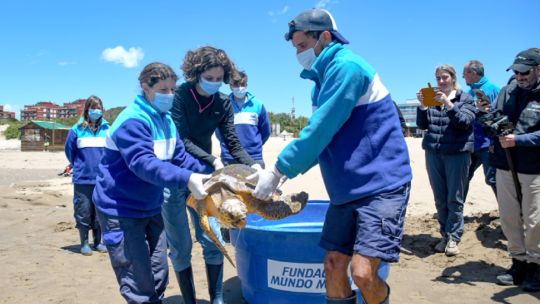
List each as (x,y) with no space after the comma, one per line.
(233,213)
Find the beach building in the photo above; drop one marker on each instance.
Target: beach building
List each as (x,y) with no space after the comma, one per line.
(408,109)
(6,116)
(39,135)
(47,110)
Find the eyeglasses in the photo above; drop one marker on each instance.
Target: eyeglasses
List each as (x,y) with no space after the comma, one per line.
(522,73)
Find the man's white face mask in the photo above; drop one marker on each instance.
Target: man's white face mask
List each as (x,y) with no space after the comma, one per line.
(307,57)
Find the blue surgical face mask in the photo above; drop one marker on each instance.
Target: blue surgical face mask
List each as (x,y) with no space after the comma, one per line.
(163,102)
(95,114)
(210,87)
(307,57)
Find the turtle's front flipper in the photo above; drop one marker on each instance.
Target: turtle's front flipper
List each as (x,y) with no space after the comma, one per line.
(205,225)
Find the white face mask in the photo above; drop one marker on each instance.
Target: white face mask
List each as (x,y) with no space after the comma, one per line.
(239,92)
(307,57)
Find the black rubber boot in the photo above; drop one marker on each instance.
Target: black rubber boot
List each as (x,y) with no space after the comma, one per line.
(187,287)
(98,245)
(515,275)
(532,280)
(350,300)
(214,274)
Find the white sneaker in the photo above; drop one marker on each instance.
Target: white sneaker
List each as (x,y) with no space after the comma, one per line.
(441,245)
(451,248)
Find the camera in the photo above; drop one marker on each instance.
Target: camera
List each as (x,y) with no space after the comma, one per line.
(496,124)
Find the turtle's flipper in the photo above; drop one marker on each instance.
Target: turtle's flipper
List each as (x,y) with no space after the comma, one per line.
(280,206)
(205,225)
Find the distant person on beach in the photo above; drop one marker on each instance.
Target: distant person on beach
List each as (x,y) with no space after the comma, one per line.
(84,147)
(519,200)
(143,154)
(448,143)
(199,109)
(355,136)
(473,73)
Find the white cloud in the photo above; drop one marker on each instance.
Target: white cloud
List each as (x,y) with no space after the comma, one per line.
(12,108)
(128,58)
(280,12)
(63,63)
(324,3)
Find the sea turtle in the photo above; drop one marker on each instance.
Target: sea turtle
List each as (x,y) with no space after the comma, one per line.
(229,200)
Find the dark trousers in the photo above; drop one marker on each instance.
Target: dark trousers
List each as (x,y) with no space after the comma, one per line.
(84,208)
(481,157)
(138,253)
(448,176)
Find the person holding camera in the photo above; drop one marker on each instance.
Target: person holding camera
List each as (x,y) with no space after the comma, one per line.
(519,203)
(473,73)
(448,143)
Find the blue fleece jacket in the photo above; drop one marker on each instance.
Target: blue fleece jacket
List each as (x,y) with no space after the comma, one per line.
(143,154)
(84,149)
(481,140)
(252,127)
(354,132)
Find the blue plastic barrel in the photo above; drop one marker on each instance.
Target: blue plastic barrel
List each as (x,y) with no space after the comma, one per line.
(279,261)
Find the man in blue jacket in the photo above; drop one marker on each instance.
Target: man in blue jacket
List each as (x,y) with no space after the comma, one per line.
(473,73)
(355,136)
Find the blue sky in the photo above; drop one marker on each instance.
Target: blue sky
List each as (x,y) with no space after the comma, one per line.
(65,50)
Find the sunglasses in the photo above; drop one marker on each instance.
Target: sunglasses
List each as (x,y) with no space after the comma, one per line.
(522,73)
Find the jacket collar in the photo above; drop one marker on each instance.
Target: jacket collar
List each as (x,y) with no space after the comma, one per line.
(249,100)
(479,84)
(145,106)
(323,60)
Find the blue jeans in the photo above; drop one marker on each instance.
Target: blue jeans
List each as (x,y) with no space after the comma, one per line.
(481,157)
(448,176)
(178,234)
(138,252)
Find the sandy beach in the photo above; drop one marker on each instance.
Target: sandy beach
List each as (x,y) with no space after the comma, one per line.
(41,264)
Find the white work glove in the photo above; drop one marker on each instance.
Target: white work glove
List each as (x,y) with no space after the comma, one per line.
(268,181)
(196,185)
(217,164)
(256,167)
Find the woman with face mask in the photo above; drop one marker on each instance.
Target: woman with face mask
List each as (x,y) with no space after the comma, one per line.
(84,147)
(198,110)
(449,142)
(143,154)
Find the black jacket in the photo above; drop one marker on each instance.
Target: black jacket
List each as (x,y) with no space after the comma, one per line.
(523,110)
(196,128)
(449,131)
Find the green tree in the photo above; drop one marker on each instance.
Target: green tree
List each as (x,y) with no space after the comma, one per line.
(12,131)
(288,123)
(111,114)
